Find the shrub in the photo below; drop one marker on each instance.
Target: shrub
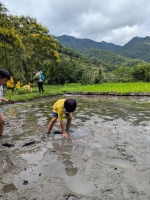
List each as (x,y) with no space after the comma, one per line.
(22,91)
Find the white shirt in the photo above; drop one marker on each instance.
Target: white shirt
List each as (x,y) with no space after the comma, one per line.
(38,74)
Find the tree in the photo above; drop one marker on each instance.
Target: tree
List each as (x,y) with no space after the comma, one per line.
(141,72)
(122,74)
(3,9)
(24,44)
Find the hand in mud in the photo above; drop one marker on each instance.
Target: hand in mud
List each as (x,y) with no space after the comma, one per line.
(65,135)
(11,101)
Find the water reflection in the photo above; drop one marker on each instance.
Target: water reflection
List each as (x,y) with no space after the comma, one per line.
(64,149)
(12,113)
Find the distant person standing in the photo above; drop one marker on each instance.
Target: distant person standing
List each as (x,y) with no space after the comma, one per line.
(39,75)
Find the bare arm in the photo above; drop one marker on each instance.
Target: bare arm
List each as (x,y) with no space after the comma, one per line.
(65,134)
(37,75)
(6,100)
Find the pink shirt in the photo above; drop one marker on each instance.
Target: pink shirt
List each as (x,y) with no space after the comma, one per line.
(1,93)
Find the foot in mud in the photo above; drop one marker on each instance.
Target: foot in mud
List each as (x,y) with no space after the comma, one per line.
(7,124)
(46,135)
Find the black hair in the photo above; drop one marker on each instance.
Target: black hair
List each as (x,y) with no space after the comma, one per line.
(70,105)
(4,74)
(39,69)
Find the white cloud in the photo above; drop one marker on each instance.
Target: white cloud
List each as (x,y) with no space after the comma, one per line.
(115,21)
(121,35)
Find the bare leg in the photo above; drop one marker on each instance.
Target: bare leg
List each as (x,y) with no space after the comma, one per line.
(51,124)
(68,124)
(1,124)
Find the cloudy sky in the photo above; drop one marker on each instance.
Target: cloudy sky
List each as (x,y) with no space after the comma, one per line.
(115,21)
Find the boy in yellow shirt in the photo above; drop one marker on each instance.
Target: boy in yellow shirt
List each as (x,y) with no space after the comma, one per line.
(61,107)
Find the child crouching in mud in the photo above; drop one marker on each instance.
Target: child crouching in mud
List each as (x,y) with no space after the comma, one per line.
(61,107)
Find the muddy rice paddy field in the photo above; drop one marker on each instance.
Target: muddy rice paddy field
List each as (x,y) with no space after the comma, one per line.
(106,157)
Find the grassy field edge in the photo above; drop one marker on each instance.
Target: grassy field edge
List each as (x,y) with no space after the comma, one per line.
(120,89)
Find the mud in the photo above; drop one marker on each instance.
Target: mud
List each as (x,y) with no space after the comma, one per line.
(106,157)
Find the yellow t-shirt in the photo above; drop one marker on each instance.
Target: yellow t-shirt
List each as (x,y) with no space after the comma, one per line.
(10,83)
(58,108)
(18,84)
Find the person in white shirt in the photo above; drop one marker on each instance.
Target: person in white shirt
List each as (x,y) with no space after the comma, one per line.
(4,77)
(40,81)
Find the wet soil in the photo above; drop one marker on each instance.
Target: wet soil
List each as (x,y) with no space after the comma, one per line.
(106,157)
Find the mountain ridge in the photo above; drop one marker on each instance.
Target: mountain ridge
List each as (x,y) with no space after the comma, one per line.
(85,43)
(136,48)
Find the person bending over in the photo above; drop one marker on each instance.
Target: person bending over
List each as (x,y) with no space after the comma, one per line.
(61,107)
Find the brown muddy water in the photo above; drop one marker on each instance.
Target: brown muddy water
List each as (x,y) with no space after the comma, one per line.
(107,155)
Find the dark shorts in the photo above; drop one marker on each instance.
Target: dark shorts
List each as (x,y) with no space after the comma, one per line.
(54,114)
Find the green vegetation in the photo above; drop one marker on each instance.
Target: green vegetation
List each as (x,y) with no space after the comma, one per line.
(26,45)
(26,95)
(122,88)
(137,48)
(110,59)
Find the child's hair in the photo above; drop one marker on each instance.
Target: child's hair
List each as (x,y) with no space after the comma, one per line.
(39,69)
(70,105)
(4,74)
(31,81)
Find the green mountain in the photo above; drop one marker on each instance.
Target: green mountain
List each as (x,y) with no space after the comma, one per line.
(83,44)
(137,48)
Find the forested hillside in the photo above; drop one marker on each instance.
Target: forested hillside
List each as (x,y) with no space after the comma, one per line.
(138,48)
(109,58)
(121,64)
